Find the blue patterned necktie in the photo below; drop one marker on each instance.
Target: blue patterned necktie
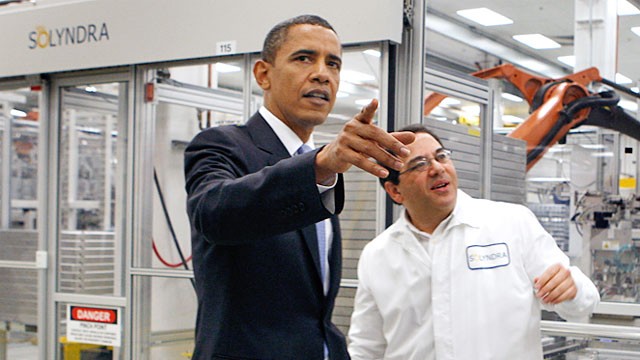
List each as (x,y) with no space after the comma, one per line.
(322,246)
(320,229)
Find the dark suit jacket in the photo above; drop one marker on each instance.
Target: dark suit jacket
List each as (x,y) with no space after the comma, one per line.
(252,209)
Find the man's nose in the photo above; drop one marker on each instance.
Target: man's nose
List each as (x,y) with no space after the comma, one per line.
(435,167)
(320,72)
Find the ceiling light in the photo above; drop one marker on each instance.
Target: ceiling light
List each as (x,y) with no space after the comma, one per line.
(226,68)
(372,52)
(537,41)
(90,89)
(511,97)
(635,89)
(568,60)
(484,16)
(626,8)
(355,76)
(18,113)
(636,30)
(621,79)
(593,146)
(603,154)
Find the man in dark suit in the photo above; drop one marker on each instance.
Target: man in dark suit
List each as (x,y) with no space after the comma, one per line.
(265,235)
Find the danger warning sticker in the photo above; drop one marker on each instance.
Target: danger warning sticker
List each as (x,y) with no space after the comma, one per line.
(90,325)
(95,315)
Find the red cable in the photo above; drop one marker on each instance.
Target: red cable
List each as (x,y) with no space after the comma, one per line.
(166,263)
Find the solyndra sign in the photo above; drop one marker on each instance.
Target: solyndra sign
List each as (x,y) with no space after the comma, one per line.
(43,38)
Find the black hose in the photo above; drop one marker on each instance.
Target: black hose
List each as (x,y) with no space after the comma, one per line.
(605,98)
(170,224)
(624,89)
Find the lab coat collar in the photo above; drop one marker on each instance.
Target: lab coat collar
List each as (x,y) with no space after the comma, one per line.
(463,214)
(400,232)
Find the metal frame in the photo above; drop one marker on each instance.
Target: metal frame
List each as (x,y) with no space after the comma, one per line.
(123,222)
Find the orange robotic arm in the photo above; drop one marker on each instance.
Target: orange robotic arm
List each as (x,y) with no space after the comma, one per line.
(557,105)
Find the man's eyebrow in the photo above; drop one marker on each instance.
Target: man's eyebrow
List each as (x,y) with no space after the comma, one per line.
(313,52)
(335,58)
(416,159)
(423,157)
(304,52)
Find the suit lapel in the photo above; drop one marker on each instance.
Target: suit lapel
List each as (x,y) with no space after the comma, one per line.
(266,140)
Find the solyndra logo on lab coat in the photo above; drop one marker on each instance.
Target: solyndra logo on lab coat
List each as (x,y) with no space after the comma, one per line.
(43,37)
(488,256)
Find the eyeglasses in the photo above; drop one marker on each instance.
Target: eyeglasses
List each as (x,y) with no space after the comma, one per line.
(443,156)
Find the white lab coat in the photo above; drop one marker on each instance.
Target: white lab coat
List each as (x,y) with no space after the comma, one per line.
(470,297)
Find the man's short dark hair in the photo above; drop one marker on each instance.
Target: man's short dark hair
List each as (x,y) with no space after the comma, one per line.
(414,128)
(278,34)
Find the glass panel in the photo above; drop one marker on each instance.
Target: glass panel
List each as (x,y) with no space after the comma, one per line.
(18,173)
(192,98)
(19,126)
(18,313)
(88,163)
(169,321)
(457,122)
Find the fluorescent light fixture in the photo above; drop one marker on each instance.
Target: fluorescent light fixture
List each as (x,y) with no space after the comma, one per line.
(559,149)
(511,119)
(636,30)
(511,97)
(362,102)
(537,41)
(603,154)
(484,16)
(593,146)
(18,113)
(568,60)
(548,179)
(355,76)
(372,52)
(621,79)
(342,94)
(626,8)
(226,68)
(449,101)
(628,105)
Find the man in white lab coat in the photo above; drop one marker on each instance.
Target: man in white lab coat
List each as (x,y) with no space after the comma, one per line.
(458,278)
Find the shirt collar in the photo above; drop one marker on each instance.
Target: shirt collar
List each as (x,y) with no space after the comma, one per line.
(463,213)
(289,139)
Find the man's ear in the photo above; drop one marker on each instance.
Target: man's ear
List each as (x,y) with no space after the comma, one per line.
(393,191)
(261,72)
